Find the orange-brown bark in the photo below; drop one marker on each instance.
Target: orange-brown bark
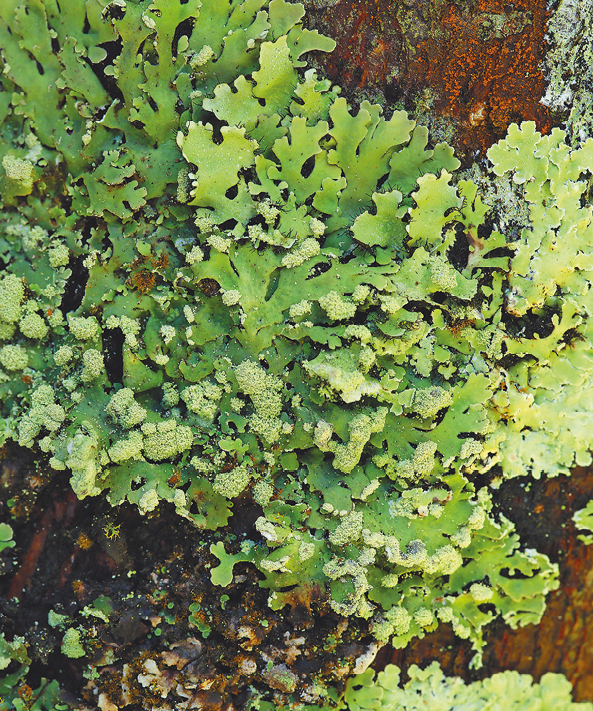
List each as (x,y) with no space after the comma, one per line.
(480,60)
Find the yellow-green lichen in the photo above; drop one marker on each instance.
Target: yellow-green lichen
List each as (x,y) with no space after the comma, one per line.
(279,306)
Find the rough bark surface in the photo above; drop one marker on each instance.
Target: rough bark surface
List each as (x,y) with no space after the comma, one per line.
(467,68)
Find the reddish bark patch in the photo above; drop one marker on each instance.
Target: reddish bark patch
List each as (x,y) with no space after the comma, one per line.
(62,513)
(480,60)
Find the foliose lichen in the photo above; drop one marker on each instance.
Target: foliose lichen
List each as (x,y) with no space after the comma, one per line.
(310,311)
(507,690)
(15,693)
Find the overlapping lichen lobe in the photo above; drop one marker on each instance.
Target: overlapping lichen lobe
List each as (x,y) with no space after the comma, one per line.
(563,641)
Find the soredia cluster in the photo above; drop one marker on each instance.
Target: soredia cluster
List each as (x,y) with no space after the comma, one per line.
(223,284)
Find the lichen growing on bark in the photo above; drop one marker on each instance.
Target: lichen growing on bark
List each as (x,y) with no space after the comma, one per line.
(223,286)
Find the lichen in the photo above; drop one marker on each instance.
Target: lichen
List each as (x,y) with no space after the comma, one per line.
(14,357)
(71,645)
(168,359)
(509,690)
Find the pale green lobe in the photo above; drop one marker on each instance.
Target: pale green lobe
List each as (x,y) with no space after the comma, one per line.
(385,227)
